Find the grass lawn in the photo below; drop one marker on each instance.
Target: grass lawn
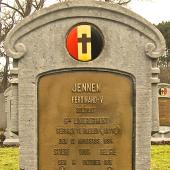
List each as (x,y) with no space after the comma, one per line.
(160,158)
(9,158)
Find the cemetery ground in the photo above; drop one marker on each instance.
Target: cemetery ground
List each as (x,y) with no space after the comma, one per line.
(9,158)
(160,158)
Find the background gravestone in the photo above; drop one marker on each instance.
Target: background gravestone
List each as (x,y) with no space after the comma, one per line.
(2,112)
(164,104)
(164,114)
(11,112)
(76,109)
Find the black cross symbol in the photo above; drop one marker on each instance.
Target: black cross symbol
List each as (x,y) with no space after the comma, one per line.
(84,40)
(162,91)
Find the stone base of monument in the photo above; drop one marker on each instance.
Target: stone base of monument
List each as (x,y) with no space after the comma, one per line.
(11,139)
(162,137)
(11,142)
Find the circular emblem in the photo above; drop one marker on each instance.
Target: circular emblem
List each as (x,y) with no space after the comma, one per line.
(84,42)
(163,91)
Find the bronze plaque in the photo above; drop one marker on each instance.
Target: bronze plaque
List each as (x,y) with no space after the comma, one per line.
(164,111)
(85,121)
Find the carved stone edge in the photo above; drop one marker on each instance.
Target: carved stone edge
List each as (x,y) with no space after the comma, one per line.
(13,81)
(155,106)
(14,75)
(155,72)
(164,85)
(14,71)
(7,92)
(18,52)
(153,52)
(17,49)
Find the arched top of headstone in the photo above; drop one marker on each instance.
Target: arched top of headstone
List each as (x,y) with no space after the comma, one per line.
(164,85)
(68,10)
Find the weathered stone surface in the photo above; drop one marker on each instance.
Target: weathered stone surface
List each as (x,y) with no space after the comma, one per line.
(132,45)
(11,141)
(11,112)
(11,107)
(162,136)
(3,119)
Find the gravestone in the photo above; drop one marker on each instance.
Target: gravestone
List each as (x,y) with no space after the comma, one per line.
(164,104)
(2,112)
(2,108)
(87,87)
(164,114)
(11,111)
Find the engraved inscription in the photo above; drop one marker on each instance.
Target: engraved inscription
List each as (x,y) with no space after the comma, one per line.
(86,87)
(87,99)
(164,111)
(85,121)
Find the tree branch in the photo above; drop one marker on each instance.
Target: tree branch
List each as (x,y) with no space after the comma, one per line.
(11,7)
(10,17)
(41,3)
(19,6)
(28,8)
(36,4)
(121,2)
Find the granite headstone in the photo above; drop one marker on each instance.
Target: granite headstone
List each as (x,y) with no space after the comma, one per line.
(87,87)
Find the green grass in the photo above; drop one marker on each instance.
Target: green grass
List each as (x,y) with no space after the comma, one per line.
(9,158)
(160,158)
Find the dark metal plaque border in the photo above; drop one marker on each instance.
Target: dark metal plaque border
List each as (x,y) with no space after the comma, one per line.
(88,69)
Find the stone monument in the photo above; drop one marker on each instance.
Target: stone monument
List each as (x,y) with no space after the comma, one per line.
(163,136)
(3,120)
(87,87)
(2,112)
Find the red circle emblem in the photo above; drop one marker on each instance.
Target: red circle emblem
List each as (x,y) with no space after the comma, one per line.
(163,91)
(84,42)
